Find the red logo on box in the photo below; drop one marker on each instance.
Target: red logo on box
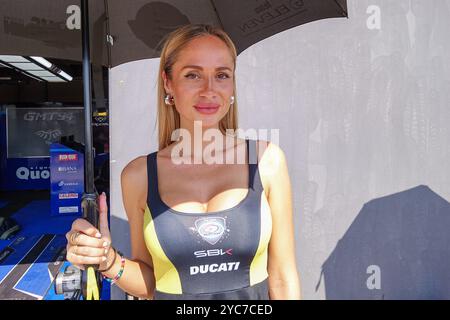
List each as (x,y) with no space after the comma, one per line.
(68,196)
(68,157)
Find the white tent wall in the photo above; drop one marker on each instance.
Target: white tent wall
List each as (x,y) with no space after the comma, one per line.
(362,108)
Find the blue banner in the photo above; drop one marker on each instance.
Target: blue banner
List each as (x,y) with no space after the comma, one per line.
(30,131)
(26,174)
(21,173)
(67,180)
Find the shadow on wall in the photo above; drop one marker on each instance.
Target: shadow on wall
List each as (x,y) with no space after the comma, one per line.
(398,247)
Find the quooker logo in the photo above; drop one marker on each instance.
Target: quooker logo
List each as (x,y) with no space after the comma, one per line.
(24,173)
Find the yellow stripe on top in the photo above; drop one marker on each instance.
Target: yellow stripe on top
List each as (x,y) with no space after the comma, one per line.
(167,277)
(258,267)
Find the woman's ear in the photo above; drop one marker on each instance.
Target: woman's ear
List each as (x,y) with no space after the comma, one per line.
(166,82)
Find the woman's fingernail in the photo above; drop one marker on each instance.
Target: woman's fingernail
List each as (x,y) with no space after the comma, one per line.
(103,258)
(98,235)
(106,251)
(105,244)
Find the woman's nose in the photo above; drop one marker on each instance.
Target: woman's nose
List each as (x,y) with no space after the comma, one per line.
(209,85)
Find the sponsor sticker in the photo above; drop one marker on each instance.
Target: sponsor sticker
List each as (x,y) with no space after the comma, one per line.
(73,209)
(68,157)
(68,169)
(63,196)
(67,184)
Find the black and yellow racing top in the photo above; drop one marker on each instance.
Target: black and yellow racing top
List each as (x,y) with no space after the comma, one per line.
(215,255)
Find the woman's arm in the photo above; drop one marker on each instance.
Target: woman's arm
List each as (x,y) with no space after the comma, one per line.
(283,276)
(138,277)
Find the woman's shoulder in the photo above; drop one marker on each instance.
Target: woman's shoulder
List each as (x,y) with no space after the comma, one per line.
(134,184)
(271,161)
(134,175)
(136,166)
(268,152)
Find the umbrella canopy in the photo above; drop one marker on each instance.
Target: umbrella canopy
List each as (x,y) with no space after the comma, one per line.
(51,29)
(124,31)
(138,28)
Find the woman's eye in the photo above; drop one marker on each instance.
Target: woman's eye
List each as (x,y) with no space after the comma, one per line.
(191,76)
(195,76)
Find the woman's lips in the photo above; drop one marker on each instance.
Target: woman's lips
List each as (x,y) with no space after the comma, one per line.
(207,108)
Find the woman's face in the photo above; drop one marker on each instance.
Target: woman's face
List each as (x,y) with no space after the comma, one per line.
(202,77)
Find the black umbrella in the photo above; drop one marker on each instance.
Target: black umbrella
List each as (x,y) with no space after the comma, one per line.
(51,29)
(125,31)
(137,29)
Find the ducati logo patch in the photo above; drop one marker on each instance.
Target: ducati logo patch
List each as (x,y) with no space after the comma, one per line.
(211,229)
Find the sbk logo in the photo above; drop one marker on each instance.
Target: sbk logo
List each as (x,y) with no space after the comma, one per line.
(213,253)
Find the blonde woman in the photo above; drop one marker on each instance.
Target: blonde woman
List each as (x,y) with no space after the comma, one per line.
(199,229)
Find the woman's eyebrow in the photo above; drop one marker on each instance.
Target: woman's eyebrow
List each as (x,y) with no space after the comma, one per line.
(200,68)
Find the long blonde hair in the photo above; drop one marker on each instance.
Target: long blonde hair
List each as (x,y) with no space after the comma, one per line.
(168,116)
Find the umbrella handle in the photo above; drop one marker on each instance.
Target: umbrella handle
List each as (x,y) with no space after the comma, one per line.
(92,289)
(91,279)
